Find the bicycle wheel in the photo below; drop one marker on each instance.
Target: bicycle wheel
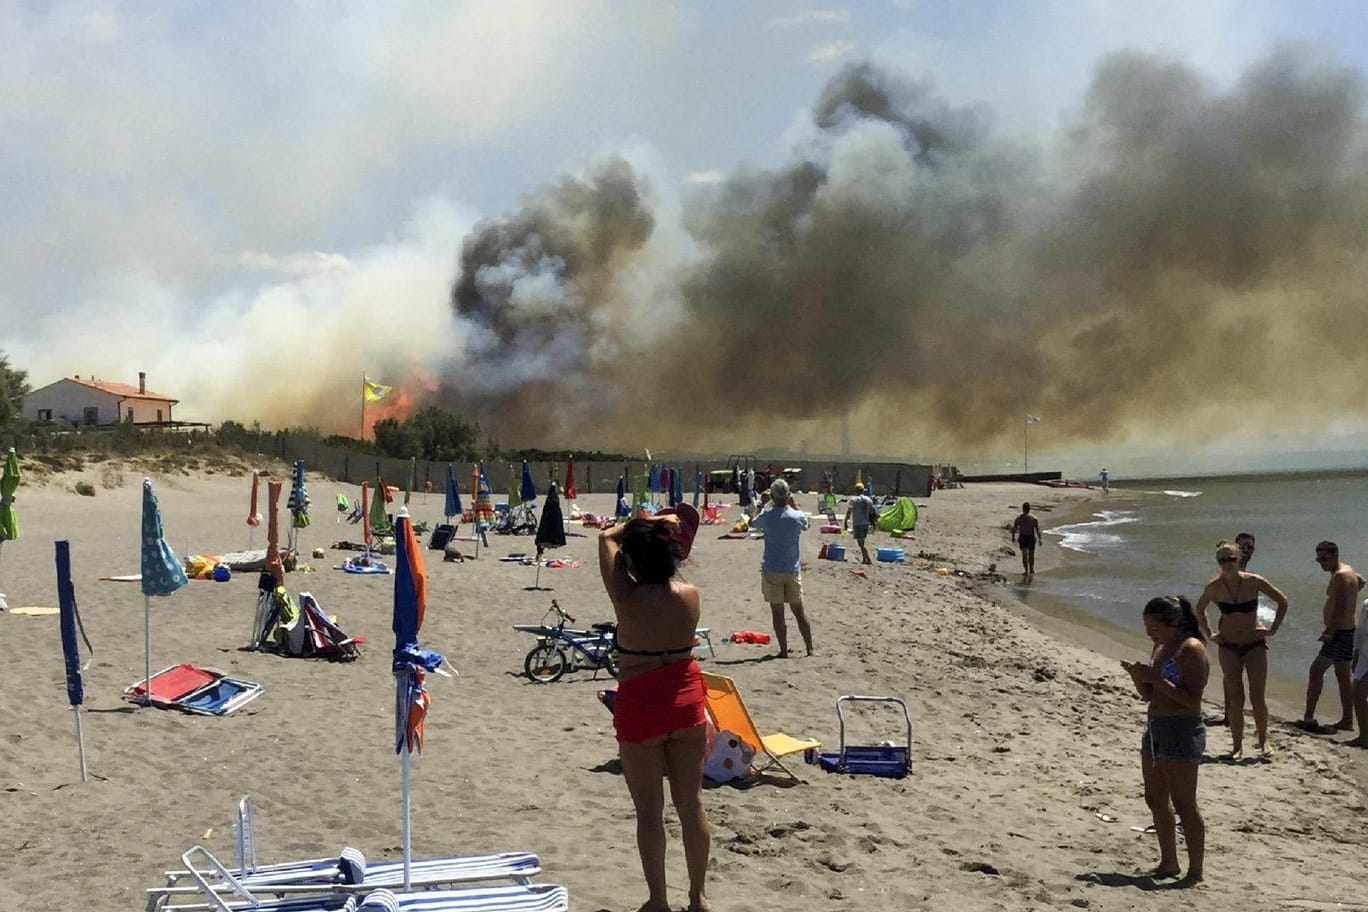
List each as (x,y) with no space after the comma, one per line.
(546,663)
(612,664)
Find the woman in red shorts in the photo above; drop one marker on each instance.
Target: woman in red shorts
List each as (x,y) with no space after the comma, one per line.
(659,709)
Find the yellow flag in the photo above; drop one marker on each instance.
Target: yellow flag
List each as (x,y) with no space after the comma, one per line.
(373,391)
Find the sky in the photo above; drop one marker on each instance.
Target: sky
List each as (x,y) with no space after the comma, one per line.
(887,228)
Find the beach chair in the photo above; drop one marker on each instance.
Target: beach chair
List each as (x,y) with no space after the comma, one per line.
(348,872)
(728,712)
(226,893)
(206,691)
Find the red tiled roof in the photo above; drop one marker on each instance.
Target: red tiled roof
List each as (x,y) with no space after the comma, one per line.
(126,390)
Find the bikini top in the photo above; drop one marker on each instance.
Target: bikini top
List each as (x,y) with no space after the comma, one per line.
(1238,607)
(1169,670)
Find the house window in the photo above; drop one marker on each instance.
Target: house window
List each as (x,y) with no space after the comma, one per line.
(159,417)
(45,414)
(129,415)
(92,416)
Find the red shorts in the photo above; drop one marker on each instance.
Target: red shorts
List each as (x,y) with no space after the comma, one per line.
(662,700)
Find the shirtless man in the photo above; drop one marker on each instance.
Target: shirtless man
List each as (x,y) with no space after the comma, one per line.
(1026,534)
(1337,640)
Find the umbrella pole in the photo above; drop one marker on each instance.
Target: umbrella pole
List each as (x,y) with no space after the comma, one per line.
(80,741)
(147,650)
(408,844)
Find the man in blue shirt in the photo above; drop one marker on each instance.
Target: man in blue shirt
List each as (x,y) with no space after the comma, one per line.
(780,576)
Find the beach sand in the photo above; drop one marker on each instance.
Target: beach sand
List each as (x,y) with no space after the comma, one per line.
(1025,786)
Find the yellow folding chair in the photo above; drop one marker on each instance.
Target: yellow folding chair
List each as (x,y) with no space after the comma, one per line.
(728,713)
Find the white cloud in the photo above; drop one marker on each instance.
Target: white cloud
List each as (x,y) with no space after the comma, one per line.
(832,50)
(705,177)
(811,17)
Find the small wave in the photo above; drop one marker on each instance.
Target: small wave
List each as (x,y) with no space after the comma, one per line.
(1089,537)
(1183,493)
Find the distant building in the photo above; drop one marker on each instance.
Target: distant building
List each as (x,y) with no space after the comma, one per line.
(87,402)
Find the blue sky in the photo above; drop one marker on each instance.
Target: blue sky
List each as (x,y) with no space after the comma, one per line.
(185,186)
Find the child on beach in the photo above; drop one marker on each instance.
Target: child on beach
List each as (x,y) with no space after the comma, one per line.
(1175,737)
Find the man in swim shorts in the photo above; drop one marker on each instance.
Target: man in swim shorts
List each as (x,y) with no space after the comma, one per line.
(1337,640)
(780,570)
(1026,534)
(861,511)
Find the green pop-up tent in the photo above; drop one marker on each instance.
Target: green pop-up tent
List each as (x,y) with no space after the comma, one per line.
(901,517)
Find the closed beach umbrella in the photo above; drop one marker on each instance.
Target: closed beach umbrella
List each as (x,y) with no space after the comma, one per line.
(653,481)
(162,574)
(529,490)
(412,479)
(298,505)
(747,480)
(453,495)
(698,486)
(379,515)
(676,487)
(71,648)
(570,493)
(736,479)
(411,663)
(9,483)
(513,497)
(550,528)
(253,513)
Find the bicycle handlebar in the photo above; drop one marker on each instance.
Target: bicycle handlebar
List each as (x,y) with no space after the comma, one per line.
(560,612)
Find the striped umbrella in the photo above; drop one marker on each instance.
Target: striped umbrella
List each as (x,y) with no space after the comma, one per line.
(411,663)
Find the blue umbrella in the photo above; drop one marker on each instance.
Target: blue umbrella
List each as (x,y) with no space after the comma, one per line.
(71,650)
(677,477)
(298,505)
(698,486)
(162,574)
(411,662)
(453,495)
(620,510)
(529,490)
(653,485)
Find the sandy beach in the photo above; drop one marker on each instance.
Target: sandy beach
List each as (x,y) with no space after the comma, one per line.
(1025,788)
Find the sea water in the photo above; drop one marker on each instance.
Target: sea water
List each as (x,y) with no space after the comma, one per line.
(1159,538)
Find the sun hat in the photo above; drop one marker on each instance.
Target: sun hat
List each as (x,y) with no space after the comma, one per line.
(859,485)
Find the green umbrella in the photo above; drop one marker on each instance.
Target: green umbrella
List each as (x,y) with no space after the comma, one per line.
(513,498)
(9,520)
(9,483)
(379,513)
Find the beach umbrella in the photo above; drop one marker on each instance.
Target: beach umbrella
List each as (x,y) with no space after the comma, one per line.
(698,486)
(620,508)
(640,487)
(484,506)
(253,514)
(162,574)
(676,487)
(365,519)
(411,663)
(747,480)
(550,529)
(653,481)
(9,483)
(570,493)
(736,479)
(298,505)
(412,478)
(529,490)
(453,495)
(71,649)
(513,498)
(379,514)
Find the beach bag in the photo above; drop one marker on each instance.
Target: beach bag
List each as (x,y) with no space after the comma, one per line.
(729,757)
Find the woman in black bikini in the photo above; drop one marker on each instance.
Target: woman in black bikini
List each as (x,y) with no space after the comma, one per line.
(1175,738)
(1242,639)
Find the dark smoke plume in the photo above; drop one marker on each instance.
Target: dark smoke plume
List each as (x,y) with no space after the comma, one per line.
(1184,263)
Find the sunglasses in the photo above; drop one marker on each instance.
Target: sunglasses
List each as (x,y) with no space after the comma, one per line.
(1227,560)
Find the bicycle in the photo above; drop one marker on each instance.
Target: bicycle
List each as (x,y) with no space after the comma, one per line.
(548,661)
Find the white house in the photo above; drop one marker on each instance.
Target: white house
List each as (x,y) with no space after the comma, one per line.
(87,402)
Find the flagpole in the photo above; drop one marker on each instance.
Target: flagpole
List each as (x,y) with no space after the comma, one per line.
(363,406)
(1026,446)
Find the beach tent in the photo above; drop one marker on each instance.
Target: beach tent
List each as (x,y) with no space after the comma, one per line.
(901,517)
(410,664)
(162,573)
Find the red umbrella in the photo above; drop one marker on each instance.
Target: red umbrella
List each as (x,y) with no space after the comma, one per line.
(570,493)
